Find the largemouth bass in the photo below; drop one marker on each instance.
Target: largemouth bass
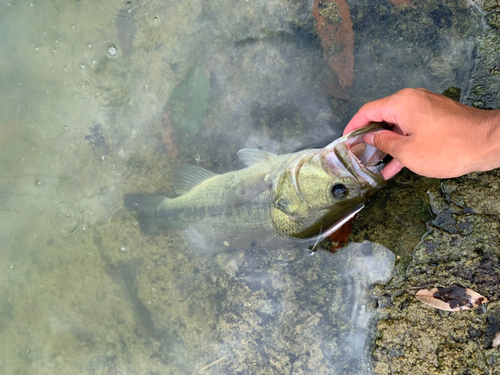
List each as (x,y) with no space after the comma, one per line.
(277,200)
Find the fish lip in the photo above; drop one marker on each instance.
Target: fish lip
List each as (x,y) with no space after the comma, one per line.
(362,167)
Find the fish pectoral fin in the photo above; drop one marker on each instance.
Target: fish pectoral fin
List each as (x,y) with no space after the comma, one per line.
(252,156)
(186,176)
(245,191)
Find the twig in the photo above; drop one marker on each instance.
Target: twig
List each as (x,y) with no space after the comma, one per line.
(213,363)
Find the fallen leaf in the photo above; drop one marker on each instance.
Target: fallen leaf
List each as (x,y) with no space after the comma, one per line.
(453,298)
(340,236)
(334,25)
(168,138)
(496,339)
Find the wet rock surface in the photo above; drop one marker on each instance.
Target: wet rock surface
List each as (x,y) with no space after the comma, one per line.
(461,247)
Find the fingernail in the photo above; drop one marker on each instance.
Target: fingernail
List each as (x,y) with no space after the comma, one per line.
(368,138)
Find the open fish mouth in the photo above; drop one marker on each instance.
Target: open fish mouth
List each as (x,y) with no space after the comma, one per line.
(360,159)
(368,156)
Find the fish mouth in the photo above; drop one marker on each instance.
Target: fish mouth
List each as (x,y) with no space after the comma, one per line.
(362,160)
(367,156)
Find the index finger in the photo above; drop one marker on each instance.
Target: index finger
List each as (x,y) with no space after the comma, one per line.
(378,110)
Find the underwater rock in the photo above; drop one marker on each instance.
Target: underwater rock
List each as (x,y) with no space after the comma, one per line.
(482,86)
(401,2)
(313,315)
(96,139)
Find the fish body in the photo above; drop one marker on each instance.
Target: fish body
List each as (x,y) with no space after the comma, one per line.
(278,199)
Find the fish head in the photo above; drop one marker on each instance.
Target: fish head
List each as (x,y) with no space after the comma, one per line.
(320,189)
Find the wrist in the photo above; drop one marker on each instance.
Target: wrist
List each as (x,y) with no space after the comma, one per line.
(488,147)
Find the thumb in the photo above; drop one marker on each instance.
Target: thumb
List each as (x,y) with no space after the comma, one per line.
(386,141)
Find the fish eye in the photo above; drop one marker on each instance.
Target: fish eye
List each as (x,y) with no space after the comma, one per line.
(339,191)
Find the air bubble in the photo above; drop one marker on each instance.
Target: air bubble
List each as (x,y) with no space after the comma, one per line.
(123,249)
(112,50)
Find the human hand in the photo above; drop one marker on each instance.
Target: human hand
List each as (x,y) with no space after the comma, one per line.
(431,134)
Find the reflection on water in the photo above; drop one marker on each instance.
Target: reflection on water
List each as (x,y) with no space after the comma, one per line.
(99,99)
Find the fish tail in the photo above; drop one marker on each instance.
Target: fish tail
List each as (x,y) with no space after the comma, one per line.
(150,211)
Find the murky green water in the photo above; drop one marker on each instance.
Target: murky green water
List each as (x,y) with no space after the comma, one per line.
(98,99)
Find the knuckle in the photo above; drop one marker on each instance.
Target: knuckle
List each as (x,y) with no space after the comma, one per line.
(413,97)
(412,94)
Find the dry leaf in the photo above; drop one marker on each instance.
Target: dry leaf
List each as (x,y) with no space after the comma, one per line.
(496,339)
(453,298)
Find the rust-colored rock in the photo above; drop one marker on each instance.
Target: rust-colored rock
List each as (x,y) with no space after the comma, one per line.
(334,25)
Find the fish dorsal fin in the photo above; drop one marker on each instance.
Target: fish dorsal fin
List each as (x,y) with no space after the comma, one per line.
(252,156)
(187,176)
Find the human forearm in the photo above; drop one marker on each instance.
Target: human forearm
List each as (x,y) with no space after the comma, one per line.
(489,153)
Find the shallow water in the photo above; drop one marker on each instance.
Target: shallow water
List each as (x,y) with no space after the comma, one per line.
(101,99)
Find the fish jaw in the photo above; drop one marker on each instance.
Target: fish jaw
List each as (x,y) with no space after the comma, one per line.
(350,154)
